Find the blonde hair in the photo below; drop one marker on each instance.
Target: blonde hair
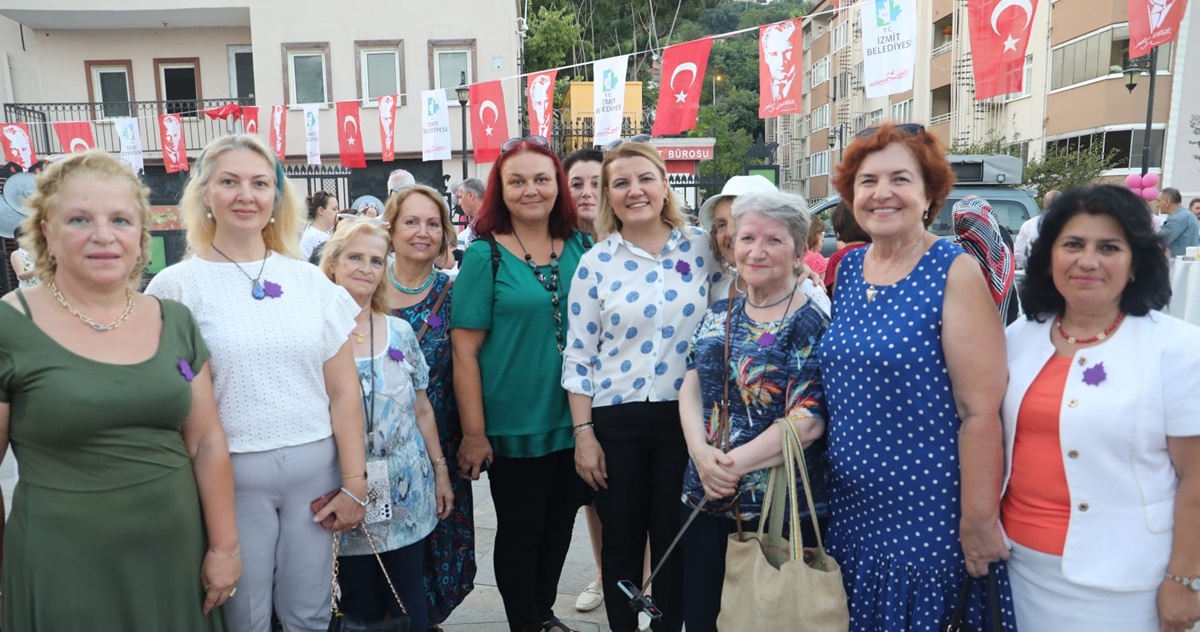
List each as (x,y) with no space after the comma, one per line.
(346,231)
(282,235)
(391,213)
(606,221)
(95,163)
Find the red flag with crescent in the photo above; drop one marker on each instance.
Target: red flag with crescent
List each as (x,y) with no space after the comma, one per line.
(1000,32)
(539,97)
(249,119)
(780,56)
(350,135)
(1153,23)
(224,111)
(489,123)
(278,134)
(681,85)
(387,126)
(17,144)
(75,136)
(174,149)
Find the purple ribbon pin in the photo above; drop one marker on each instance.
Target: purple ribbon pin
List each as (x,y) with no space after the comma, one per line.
(682,267)
(272,289)
(766,340)
(396,354)
(434,321)
(1094,375)
(185,370)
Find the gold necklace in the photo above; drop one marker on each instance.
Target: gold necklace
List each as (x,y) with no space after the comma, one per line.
(359,335)
(873,291)
(62,300)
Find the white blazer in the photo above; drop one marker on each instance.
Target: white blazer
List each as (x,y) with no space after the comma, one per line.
(1122,399)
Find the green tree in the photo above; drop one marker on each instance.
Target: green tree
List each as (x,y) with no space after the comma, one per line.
(1195,123)
(732,143)
(553,34)
(1061,169)
(993,143)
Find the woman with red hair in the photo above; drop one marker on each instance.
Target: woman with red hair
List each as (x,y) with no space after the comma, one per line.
(509,324)
(914,370)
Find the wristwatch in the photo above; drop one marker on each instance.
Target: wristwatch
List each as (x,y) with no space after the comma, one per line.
(1192,583)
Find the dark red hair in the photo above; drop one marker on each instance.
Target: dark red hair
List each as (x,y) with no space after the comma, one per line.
(925,148)
(494,216)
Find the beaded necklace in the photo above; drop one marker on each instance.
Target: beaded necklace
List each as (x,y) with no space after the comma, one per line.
(550,284)
(411,290)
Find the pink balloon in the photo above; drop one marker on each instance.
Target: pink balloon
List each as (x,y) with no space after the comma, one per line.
(1149,194)
(1150,180)
(1133,181)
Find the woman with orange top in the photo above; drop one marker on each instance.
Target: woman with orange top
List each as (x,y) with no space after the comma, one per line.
(1102,428)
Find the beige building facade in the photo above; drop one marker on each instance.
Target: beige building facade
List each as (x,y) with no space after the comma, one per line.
(98,59)
(1074,92)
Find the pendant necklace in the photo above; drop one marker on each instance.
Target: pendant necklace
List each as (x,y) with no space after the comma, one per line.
(767,338)
(873,291)
(411,290)
(550,284)
(62,300)
(259,289)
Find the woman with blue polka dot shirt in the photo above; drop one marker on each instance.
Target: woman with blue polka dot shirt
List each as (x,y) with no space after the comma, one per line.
(637,297)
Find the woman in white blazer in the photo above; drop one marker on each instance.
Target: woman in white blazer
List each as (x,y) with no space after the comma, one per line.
(1102,428)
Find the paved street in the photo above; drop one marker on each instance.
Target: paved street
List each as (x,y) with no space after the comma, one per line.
(483,610)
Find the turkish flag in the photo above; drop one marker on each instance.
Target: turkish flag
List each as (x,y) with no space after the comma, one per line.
(75,136)
(224,111)
(999,35)
(679,102)
(489,123)
(1153,23)
(174,149)
(539,97)
(278,133)
(779,57)
(350,135)
(17,144)
(387,126)
(249,120)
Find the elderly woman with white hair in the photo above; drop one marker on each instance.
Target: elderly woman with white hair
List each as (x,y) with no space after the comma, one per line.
(770,334)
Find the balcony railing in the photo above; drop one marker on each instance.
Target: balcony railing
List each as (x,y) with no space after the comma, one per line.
(198,129)
(941,118)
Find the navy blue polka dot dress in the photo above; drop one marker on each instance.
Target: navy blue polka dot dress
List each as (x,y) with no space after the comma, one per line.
(893,452)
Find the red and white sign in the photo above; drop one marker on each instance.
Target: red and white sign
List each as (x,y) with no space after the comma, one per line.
(17,144)
(686,153)
(489,123)
(387,127)
(999,35)
(779,56)
(249,119)
(278,136)
(1153,23)
(681,86)
(75,136)
(539,97)
(350,135)
(174,150)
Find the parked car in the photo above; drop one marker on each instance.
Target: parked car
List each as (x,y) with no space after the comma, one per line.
(994,178)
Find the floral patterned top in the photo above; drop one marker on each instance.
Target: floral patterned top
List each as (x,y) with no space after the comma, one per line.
(399,372)
(436,346)
(774,372)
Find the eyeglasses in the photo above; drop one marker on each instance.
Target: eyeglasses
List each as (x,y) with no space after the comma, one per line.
(909,129)
(640,138)
(352,217)
(511,143)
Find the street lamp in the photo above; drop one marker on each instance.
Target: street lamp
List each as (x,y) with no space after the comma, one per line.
(715,79)
(835,135)
(1131,76)
(464,93)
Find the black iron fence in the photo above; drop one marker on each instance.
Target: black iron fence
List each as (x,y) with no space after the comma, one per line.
(694,190)
(570,133)
(334,180)
(198,129)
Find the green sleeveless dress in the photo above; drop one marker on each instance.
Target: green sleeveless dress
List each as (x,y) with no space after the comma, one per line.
(106,532)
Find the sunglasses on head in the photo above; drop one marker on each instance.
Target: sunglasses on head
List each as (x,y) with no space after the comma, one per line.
(908,129)
(511,143)
(640,138)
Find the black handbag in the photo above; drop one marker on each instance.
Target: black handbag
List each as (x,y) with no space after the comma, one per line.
(991,604)
(339,622)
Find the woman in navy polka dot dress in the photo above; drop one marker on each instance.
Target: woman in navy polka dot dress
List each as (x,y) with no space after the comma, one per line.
(637,297)
(914,370)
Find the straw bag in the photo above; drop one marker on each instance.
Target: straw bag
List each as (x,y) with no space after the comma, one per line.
(772,582)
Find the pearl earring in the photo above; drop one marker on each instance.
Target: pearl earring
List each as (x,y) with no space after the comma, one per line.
(272,220)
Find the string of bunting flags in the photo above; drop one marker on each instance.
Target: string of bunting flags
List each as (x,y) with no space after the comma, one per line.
(999,36)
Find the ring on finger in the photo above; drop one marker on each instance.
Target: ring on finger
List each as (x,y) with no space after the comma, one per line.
(232,591)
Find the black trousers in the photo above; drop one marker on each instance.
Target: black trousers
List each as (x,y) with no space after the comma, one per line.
(704,547)
(646,455)
(536,500)
(365,592)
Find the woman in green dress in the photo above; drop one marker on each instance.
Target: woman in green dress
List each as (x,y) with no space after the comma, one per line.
(123,518)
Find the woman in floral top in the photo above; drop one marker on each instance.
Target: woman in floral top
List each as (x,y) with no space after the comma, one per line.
(773,376)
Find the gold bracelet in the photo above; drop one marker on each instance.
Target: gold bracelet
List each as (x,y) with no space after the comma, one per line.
(363,475)
(235,552)
(440,462)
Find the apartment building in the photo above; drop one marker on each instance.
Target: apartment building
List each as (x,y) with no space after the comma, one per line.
(68,60)
(1074,92)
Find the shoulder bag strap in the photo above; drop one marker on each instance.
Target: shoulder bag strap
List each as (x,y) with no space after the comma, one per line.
(382,568)
(433,310)
(724,418)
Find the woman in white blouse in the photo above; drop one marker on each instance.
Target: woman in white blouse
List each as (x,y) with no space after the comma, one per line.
(634,304)
(284,378)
